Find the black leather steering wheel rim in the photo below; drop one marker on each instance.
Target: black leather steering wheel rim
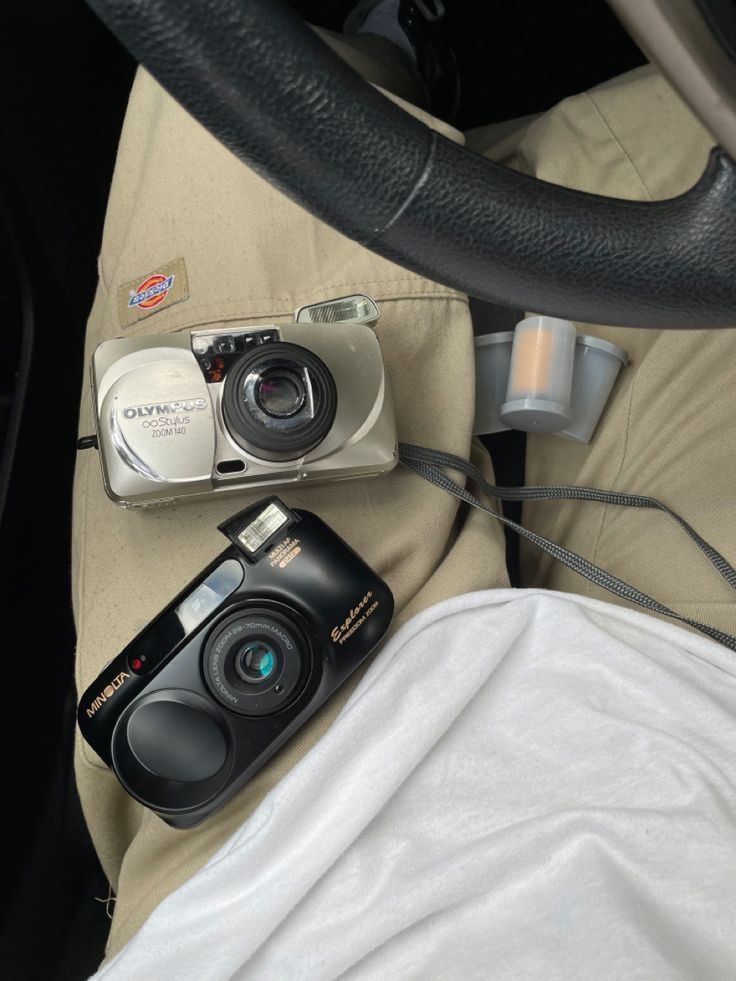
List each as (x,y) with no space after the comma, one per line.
(268,89)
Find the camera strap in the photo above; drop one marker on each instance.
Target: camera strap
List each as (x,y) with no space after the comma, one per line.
(433,464)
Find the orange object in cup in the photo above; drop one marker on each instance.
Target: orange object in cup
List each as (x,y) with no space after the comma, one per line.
(540,376)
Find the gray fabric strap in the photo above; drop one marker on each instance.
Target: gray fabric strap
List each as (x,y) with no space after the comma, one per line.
(431,465)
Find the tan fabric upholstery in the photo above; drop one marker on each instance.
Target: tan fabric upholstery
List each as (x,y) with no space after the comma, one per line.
(252,257)
(669,430)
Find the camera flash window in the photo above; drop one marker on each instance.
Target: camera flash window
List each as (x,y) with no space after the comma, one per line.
(268,522)
(209,594)
(357,308)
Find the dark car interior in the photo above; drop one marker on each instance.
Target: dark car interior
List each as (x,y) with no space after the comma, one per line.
(63,91)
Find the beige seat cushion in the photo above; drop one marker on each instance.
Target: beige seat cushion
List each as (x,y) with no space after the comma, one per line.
(251,257)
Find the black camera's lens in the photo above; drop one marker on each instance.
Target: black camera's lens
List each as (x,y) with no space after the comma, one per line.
(280,392)
(257,661)
(279,401)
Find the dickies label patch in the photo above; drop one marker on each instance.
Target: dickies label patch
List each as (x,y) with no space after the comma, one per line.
(154,291)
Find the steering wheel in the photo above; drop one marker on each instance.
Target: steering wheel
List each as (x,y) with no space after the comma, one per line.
(255,75)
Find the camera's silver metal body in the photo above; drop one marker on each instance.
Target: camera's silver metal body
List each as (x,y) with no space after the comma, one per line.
(160,425)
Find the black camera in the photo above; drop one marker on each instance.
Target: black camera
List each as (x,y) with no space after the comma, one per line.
(236,664)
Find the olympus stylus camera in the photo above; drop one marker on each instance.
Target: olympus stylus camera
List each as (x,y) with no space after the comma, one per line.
(205,695)
(196,413)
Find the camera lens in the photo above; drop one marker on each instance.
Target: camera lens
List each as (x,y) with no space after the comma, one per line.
(257,661)
(280,393)
(279,401)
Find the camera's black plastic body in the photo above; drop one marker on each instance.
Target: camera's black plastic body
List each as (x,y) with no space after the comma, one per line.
(180,737)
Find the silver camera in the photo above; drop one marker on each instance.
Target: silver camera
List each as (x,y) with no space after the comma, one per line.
(208,411)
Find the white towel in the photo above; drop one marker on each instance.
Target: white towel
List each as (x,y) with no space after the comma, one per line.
(524,785)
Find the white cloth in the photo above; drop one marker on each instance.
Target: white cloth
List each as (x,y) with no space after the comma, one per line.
(524,785)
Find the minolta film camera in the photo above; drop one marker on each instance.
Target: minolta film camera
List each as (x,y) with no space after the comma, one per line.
(194,413)
(236,664)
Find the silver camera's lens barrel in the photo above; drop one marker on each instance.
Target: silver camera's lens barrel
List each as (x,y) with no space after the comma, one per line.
(279,401)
